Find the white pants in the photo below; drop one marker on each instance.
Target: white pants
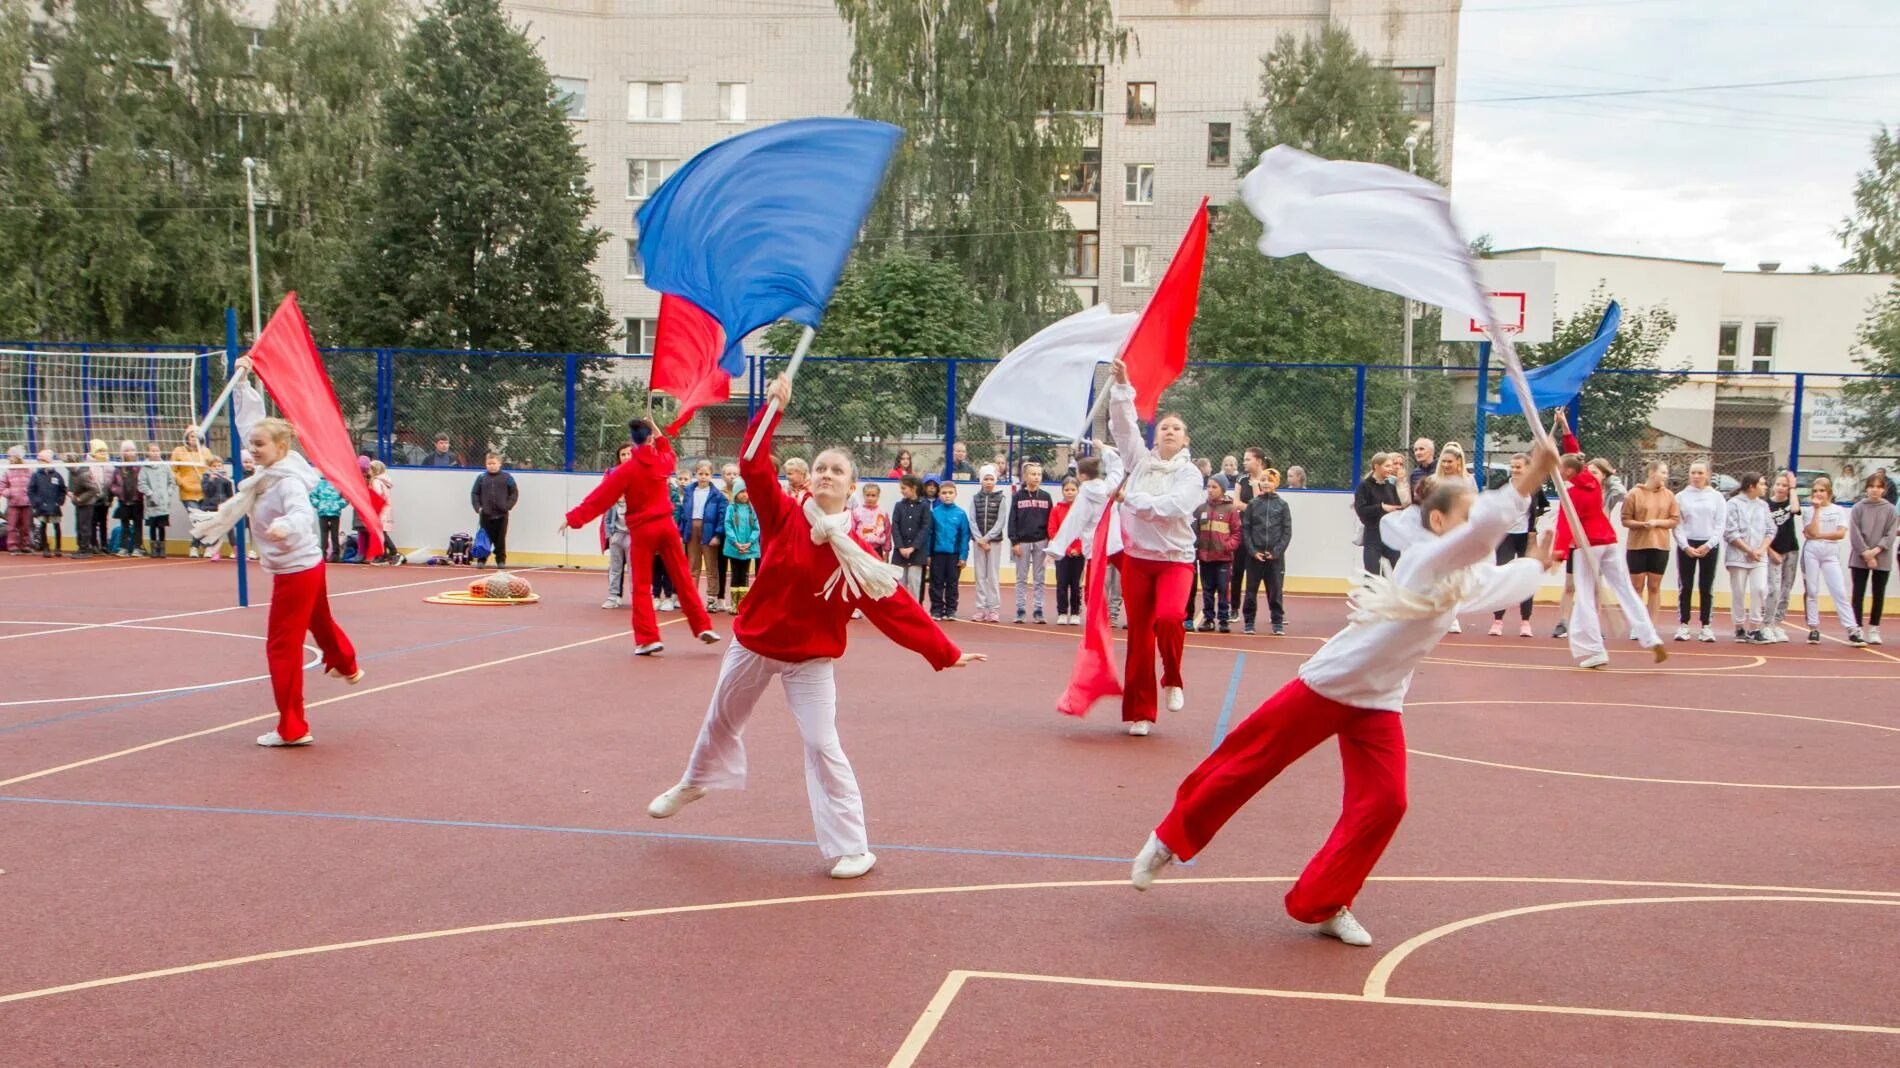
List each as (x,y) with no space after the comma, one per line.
(1747,592)
(1029,572)
(989,571)
(1821,565)
(1586,631)
(718,760)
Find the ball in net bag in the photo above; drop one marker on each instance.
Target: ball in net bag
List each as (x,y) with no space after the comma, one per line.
(501,586)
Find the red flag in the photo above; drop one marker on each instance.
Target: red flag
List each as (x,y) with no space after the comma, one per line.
(686,358)
(1157,350)
(286,361)
(1093,676)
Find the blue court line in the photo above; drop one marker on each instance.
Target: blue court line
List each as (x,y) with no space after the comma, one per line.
(88,713)
(1227,706)
(607,832)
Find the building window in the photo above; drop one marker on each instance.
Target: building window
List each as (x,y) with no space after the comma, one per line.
(1082,179)
(1141,103)
(1220,144)
(732,101)
(1727,345)
(1764,352)
(1416,89)
(571,96)
(1138,183)
(255,41)
(654,101)
(640,335)
(645,176)
(1081,254)
(635,269)
(1135,265)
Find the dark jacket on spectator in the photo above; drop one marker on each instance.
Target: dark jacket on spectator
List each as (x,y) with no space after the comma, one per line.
(1029,516)
(911,528)
(85,489)
(1267,526)
(493,496)
(47,492)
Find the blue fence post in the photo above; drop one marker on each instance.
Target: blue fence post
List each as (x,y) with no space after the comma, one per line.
(237,457)
(385,404)
(203,400)
(1794,438)
(751,385)
(949,417)
(1478,432)
(1358,425)
(1575,413)
(572,366)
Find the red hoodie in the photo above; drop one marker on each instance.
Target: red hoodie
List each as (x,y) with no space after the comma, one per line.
(1586,493)
(641,480)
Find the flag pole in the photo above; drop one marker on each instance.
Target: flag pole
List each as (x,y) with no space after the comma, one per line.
(771,407)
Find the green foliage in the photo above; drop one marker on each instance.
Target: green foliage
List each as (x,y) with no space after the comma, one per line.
(897,305)
(994,98)
(1872,233)
(29,195)
(1324,96)
(1873,404)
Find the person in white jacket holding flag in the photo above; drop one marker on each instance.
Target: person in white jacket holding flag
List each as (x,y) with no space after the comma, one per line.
(276,499)
(1099,481)
(1156,512)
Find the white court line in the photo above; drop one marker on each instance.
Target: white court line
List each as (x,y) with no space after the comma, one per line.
(316,658)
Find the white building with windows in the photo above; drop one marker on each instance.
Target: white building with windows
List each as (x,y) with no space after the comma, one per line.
(1755,330)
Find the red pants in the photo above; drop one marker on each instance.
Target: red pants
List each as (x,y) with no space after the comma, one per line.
(659,537)
(299,604)
(1285,728)
(1154,600)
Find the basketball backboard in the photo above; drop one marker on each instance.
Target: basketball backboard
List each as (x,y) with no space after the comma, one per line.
(1522,294)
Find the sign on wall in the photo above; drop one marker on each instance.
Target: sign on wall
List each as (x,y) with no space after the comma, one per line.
(1523,296)
(1828,418)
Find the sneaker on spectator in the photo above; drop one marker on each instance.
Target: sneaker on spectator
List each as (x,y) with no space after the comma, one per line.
(1682,633)
(1524,630)
(1706,634)
(1814,635)
(1873,635)
(1561,630)
(611,602)
(1279,628)
(1497,628)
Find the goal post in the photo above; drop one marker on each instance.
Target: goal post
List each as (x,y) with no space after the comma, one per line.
(64,398)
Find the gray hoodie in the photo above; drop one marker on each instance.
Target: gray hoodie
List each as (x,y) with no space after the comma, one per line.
(1871,524)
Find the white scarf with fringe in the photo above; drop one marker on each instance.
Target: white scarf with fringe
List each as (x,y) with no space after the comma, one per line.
(1376,598)
(211,527)
(1153,474)
(859,573)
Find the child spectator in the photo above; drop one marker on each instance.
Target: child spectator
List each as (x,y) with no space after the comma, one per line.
(159,493)
(19,480)
(1216,537)
(1029,530)
(380,481)
(130,511)
(188,470)
(47,492)
(86,490)
(665,595)
(101,512)
(701,518)
(872,525)
(797,477)
(932,486)
(729,479)
(1069,561)
(1870,544)
(493,496)
(989,512)
(903,466)
(329,505)
(614,539)
(949,549)
(741,540)
(1266,529)
(910,534)
(217,490)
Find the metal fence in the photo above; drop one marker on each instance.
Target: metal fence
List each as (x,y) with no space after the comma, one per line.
(569,411)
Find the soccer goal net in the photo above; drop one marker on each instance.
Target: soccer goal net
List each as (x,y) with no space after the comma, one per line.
(63,400)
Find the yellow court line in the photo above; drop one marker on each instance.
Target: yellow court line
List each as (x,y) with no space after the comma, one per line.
(1659,708)
(352,695)
(859,895)
(953,984)
(1381,975)
(1754,662)
(1864,649)
(77,569)
(1633,778)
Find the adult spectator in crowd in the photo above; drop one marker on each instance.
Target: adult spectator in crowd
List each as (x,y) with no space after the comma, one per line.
(442,457)
(1376,497)
(1424,462)
(960,462)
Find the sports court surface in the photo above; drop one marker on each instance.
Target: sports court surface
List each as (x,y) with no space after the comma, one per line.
(1694,863)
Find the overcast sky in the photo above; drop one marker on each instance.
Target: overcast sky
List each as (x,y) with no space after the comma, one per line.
(1737,175)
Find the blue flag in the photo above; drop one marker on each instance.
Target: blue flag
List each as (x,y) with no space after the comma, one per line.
(757,228)
(1555,385)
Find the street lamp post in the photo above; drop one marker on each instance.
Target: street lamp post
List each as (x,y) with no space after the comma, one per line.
(1405,406)
(250,221)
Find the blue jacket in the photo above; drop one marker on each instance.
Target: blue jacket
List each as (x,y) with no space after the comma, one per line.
(742,525)
(715,517)
(949,530)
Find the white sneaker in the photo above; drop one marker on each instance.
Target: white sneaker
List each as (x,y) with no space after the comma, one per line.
(670,604)
(1348,930)
(710,637)
(1596,661)
(611,602)
(1706,634)
(850,867)
(1153,857)
(1456,628)
(1682,633)
(1777,635)
(670,802)
(273,741)
(351,679)
(1873,635)
(649,648)
(1175,696)
(1140,728)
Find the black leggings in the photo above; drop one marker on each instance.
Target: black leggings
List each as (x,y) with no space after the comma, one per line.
(1511,548)
(662,582)
(1273,572)
(497,528)
(740,569)
(1069,585)
(1374,552)
(1696,573)
(1860,590)
(330,539)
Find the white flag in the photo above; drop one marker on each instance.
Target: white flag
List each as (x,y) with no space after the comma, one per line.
(1375,225)
(1043,384)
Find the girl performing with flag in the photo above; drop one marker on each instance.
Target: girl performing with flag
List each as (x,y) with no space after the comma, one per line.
(642,481)
(276,499)
(1158,498)
(1355,687)
(791,626)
